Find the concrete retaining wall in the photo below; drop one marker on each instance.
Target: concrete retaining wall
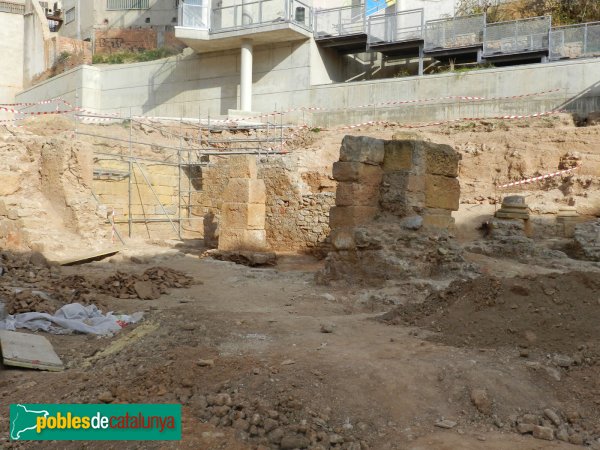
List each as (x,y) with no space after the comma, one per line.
(288,75)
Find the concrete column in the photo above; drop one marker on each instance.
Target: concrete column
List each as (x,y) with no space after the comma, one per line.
(246,76)
(421,56)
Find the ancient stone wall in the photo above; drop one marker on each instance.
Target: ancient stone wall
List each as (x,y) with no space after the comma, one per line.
(155,196)
(242,224)
(296,217)
(393,210)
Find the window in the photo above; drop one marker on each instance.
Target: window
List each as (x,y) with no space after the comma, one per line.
(70,15)
(127,4)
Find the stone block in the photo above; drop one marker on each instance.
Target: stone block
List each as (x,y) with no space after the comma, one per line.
(398,156)
(350,216)
(239,239)
(362,149)
(245,190)
(249,216)
(356,194)
(441,159)
(357,172)
(343,239)
(242,166)
(442,192)
(402,193)
(10,182)
(438,221)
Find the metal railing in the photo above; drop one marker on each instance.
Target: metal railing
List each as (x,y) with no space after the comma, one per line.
(260,12)
(193,16)
(575,41)
(455,32)
(338,22)
(127,4)
(402,26)
(517,36)
(12,8)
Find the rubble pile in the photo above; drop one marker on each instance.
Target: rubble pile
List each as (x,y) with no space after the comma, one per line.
(29,301)
(286,425)
(150,285)
(587,241)
(28,283)
(552,425)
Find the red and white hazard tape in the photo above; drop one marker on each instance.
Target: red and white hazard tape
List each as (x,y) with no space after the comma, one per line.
(539,178)
(390,103)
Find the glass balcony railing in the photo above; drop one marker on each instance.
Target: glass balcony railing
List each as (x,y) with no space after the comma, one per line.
(244,15)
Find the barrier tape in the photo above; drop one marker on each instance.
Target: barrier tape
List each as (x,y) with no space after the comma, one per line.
(539,178)
(396,102)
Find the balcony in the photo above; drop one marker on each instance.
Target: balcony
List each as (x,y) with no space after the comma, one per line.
(397,34)
(456,37)
(525,39)
(575,41)
(207,29)
(342,28)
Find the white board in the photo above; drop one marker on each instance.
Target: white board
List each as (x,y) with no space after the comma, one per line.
(28,350)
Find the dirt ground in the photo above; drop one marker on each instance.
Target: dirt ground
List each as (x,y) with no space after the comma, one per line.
(267,358)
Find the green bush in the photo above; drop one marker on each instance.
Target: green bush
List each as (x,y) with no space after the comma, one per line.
(131,57)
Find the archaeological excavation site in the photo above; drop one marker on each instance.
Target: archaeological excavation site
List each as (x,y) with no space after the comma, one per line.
(371,288)
(300,224)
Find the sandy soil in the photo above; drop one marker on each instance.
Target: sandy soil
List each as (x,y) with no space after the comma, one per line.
(366,383)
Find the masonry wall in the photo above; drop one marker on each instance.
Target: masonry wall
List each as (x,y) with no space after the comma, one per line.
(154,186)
(195,86)
(296,217)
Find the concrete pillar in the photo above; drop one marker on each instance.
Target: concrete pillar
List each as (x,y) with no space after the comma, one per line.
(246,76)
(421,56)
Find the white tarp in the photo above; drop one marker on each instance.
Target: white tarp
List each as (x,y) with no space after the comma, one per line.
(69,318)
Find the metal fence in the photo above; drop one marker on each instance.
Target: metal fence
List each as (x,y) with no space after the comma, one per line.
(12,8)
(260,12)
(193,16)
(575,41)
(402,26)
(337,22)
(456,32)
(517,36)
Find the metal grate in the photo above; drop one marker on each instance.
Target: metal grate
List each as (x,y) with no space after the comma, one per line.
(127,4)
(403,26)
(517,36)
(456,32)
(575,41)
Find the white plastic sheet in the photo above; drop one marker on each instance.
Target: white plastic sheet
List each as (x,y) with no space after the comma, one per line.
(70,318)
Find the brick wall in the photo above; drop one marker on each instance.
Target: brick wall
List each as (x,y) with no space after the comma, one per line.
(135,40)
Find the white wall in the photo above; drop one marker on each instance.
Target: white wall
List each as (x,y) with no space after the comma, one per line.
(11,48)
(94,15)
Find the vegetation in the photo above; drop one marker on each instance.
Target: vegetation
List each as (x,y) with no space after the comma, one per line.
(131,57)
(563,12)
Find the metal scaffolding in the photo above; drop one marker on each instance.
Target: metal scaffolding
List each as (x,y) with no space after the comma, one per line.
(192,143)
